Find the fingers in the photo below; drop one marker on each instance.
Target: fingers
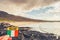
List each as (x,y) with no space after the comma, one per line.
(4,37)
(1,37)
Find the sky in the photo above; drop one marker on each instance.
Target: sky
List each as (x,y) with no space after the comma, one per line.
(35,9)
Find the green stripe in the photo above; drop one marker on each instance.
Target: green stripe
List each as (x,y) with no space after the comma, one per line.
(9,32)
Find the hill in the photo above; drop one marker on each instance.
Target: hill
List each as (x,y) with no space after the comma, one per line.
(6,16)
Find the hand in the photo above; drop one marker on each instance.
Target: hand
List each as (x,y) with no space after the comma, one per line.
(5,37)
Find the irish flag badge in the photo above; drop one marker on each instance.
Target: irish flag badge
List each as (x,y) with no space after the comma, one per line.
(12,31)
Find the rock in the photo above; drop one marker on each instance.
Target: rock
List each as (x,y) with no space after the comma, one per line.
(2,32)
(26,34)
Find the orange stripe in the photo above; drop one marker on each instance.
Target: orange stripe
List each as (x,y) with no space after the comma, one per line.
(16,33)
(9,38)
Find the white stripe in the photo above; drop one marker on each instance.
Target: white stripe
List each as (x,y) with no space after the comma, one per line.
(12,33)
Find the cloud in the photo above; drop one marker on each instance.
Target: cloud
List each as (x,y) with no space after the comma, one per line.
(20,7)
(30,4)
(51,12)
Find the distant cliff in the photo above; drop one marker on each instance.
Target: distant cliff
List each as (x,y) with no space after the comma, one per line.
(6,16)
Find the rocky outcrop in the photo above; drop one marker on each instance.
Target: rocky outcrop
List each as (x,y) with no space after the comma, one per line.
(26,34)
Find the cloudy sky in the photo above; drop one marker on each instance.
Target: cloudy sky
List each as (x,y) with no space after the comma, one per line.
(35,9)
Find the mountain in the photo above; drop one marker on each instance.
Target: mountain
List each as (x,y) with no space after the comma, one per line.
(6,16)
